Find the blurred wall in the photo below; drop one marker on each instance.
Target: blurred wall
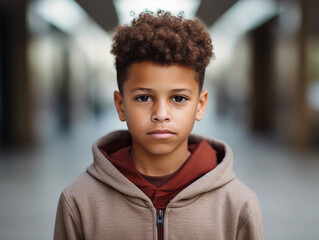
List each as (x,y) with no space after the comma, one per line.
(270,82)
(15,106)
(50,78)
(60,77)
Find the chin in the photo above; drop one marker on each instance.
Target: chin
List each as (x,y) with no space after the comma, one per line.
(160,149)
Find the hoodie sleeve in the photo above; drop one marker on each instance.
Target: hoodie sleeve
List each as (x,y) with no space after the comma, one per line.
(252,226)
(67,226)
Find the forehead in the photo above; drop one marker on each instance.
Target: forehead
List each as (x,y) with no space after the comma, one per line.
(148,74)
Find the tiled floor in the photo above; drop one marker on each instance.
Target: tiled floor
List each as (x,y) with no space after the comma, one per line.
(285,181)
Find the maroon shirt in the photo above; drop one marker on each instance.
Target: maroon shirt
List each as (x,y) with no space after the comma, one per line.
(202,160)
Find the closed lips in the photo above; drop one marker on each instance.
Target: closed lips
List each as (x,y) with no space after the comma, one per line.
(161,132)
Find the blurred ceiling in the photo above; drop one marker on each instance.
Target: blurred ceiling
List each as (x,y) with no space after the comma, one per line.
(103,11)
(210,10)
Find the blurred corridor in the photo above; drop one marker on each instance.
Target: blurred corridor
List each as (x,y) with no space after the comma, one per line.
(56,88)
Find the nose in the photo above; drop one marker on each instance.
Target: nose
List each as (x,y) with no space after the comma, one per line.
(161,113)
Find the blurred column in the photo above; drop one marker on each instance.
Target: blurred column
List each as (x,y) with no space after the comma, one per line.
(15,109)
(64,92)
(280,73)
(293,68)
(301,125)
(263,107)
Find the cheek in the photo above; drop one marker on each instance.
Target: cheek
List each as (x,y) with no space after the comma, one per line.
(191,110)
(135,119)
(186,117)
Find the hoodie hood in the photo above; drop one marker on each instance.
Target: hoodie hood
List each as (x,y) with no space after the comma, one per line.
(103,170)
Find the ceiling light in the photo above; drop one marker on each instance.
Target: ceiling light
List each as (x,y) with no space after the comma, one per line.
(66,15)
(246,15)
(242,17)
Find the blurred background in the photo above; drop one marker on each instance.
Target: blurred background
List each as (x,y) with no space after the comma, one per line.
(57,80)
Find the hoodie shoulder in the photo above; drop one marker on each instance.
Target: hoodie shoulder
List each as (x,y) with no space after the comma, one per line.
(239,196)
(250,224)
(85,191)
(83,186)
(239,190)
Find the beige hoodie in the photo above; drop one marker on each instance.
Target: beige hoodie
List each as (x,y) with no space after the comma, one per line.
(103,204)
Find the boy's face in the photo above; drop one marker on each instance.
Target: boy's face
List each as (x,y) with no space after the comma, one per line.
(160,105)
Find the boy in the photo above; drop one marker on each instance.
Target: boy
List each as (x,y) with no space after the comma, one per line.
(156,181)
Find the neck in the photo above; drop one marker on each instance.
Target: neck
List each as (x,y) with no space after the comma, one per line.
(159,164)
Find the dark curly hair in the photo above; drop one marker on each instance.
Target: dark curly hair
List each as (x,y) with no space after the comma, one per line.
(163,39)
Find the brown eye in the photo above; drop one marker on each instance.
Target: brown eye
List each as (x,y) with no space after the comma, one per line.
(144,98)
(179,99)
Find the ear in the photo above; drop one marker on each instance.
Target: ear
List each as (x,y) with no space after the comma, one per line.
(118,101)
(201,106)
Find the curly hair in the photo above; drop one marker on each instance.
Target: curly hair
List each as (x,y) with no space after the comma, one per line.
(163,39)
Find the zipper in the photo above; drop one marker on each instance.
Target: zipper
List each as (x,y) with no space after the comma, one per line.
(160,224)
(160,219)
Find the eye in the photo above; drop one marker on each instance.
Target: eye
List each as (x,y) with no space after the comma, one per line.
(144,98)
(179,99)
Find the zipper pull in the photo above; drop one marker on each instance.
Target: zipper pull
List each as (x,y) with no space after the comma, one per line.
(160,219)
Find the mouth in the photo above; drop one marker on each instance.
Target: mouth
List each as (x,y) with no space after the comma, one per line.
(161,134)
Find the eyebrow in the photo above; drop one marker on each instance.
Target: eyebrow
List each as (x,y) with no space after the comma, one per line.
(173,90)
(182,90)
(142,89)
